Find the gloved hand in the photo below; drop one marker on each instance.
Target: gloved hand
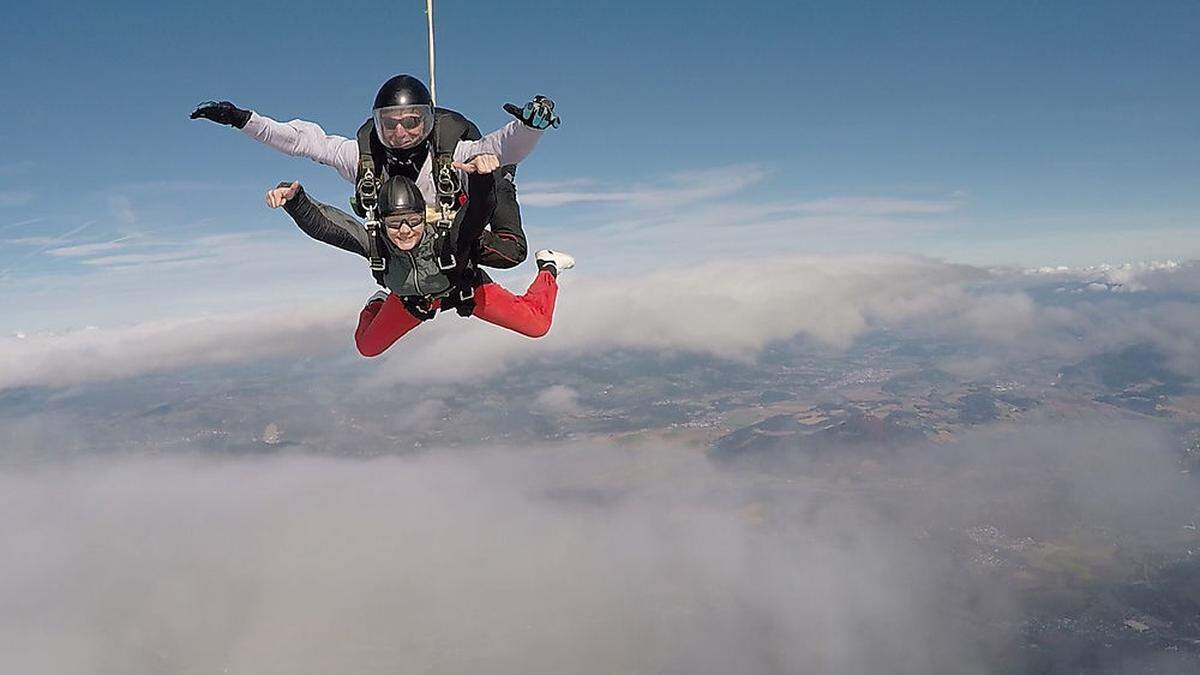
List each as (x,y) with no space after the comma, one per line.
(538,113)
(222,112)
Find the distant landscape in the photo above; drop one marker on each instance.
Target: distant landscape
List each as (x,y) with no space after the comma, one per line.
(1053,500)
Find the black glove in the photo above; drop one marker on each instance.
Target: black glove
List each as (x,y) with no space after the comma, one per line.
(222,112)
(538,113)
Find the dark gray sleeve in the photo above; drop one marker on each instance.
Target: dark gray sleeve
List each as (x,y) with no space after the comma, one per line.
(326,223)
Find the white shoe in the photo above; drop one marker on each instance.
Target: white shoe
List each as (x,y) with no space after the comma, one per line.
(557,261)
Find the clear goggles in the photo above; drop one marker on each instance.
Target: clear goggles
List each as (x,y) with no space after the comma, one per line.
(403,126)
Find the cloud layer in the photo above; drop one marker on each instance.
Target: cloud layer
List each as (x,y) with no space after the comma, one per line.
(730,310)
(571,559)
(94,354)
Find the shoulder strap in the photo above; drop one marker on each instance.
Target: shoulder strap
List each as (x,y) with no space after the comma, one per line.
(450,127)
(366,198)
(448,130)
(366,162)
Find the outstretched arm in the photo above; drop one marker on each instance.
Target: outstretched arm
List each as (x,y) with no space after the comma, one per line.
(296,138)
(306,139)
(513,142)
(320,221)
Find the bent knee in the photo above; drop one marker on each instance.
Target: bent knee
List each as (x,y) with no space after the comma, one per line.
(536,330)
(521,253)
(509,251)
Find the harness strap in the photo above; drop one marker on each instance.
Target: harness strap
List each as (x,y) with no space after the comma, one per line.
(366,201)
(453,258)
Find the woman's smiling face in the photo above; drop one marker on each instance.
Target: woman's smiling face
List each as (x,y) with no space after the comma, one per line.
(405,229)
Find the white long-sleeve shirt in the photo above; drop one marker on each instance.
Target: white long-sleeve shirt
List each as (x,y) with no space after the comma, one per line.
(512,143)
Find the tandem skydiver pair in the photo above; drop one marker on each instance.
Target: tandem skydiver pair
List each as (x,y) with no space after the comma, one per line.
(438,200)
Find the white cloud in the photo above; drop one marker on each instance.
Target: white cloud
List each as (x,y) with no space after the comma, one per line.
(700,215)
(557,400)
(93,354)
(557,185)
(85,250)
(696,187)
(585,560)
(160,278)
(682,188)
(581,559)
(25,223)
(676,269)
(143,261)
(684,218)
(1129,277)
(7,272)
(724,309)
(728,310)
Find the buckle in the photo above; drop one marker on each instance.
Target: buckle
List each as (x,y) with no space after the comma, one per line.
(446,267)
(447,179)
(368,187)
(378,265)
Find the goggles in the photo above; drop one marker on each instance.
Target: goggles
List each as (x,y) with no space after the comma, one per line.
(403,126)
(397,223)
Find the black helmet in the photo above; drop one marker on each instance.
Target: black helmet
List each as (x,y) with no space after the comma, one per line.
(402,90)
(400,195)
(403,113)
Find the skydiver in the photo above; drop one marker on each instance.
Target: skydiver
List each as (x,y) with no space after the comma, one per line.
(419,286)
(400,137)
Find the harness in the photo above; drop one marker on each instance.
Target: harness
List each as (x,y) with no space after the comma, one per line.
(366,202)
(454,258)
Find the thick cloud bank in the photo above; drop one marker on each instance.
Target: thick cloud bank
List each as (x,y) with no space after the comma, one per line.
(496,563)
(729,309)
(96,354)
(723,309)
(577,559)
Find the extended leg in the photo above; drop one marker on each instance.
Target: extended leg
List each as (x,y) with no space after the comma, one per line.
(529,314)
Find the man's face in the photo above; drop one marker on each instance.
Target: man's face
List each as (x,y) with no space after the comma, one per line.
(403,127)
(405,229)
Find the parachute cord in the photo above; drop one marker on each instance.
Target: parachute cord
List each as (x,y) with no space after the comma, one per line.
(432,78)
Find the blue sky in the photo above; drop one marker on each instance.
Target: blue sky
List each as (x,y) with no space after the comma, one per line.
(1028,133)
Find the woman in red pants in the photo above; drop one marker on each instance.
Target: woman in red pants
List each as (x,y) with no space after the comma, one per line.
(419,283)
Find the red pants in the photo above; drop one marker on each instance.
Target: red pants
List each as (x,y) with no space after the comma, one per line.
(381,323)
